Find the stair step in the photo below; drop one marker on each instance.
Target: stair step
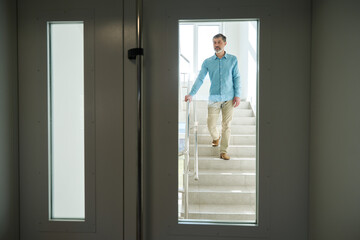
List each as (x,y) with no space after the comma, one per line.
(233,150)
(235,139)
(221,177)
(210,162)
(241,112)
(233,218)
(223,189)
(238,120)
(227,172)
(222,212)
(235,129)
(222,198)
(245,195)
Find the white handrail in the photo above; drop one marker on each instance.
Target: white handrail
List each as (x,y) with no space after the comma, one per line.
(186,162)
(196,152)
(186,153)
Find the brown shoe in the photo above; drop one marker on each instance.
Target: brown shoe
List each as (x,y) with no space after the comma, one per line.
(215,143)
(224,156)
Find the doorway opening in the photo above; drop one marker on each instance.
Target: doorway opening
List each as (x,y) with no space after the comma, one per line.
(212,189)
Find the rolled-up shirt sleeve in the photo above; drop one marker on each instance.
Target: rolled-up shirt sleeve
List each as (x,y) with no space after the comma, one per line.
(199,80)
(236,79)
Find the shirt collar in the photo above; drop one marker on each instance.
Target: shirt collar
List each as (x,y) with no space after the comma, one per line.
(216,57)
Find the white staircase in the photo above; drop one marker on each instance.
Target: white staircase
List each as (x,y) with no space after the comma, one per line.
(226,190)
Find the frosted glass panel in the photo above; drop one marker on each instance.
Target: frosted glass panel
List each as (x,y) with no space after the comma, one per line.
(66,120)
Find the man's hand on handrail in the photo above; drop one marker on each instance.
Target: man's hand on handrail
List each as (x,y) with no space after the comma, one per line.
(188,98)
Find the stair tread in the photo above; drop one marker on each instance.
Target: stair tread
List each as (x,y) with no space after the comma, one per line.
(221,209)
(212,158)
(232,145)
(233,123)
(235,135)
(226,172)
(234,116)
(223,189)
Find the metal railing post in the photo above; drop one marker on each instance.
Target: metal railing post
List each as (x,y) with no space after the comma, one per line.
(196,149)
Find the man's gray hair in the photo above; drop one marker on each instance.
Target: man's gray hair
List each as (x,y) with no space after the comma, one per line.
(219,35)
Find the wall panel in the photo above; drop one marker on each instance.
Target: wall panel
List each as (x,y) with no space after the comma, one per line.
(9,182)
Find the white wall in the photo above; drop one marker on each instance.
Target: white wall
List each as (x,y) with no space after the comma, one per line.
(9,195)
(242,42)
(237,44)
(335,121)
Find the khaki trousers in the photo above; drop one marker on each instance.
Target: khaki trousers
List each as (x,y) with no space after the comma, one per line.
(227,110)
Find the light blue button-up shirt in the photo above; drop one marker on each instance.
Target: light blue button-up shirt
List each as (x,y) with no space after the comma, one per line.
(224,77)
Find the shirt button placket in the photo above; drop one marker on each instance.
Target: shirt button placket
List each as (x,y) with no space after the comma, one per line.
(220,78)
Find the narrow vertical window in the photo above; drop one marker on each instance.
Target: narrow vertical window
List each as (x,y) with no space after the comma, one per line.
(66,120)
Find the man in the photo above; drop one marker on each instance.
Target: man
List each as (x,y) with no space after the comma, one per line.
(224,91)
